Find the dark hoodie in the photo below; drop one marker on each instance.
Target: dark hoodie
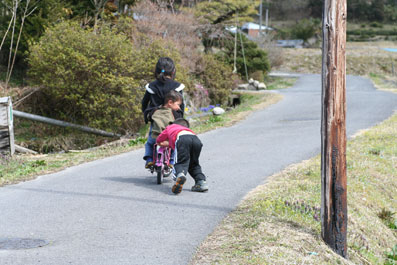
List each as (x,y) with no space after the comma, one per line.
(155,94)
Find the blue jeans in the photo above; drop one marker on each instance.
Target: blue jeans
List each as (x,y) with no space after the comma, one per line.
(149,146)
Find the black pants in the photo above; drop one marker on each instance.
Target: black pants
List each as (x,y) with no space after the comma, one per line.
(188,149)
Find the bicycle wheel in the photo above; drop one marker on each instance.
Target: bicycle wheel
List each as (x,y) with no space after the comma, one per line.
(160,175)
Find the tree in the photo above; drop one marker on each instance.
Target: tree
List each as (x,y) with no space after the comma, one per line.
(255,58)
(358,9)
(19,10)
(99,6)
(305,29)
(179,27)
(378,10)
(31,18)
(216,15)
(316,8)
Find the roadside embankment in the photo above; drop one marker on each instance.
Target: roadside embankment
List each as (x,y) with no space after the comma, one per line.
(279,222)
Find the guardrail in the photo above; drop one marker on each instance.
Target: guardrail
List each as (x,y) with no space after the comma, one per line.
(63,124)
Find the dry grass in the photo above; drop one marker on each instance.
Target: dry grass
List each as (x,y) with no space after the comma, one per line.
(277,223)
(252,101)
(362,58)
(24,167)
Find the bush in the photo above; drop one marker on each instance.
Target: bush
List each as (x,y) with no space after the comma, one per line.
(376,24)
(255,58)
(93,79)
(258,75)
(180,28)
(149,50)
(217,78)
(86,78)
(306,29)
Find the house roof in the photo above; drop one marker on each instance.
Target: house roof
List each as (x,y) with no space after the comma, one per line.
(251,25)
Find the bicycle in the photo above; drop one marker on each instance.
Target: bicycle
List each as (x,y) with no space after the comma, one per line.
(161,162)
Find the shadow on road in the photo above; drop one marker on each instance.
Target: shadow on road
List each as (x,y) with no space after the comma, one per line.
(172,203)
(145,182)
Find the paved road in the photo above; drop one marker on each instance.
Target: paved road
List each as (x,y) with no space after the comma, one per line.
(112,212)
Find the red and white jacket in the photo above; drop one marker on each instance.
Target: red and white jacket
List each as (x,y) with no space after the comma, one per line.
(170,134)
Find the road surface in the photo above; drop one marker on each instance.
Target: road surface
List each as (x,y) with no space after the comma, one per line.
(111,211)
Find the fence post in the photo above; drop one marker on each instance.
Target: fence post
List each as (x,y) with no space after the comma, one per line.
(6,126)
(333,127)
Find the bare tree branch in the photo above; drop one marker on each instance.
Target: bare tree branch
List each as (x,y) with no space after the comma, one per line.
(24,16)
(14,10)
(8,29)
(28,94)
(99,5)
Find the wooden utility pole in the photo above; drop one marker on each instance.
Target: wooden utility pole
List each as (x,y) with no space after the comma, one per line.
(333,128)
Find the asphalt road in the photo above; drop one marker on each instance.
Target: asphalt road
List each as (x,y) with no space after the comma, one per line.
(112,211)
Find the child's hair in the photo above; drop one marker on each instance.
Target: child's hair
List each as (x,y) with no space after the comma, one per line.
(181,121)
(165,67)
(173,96)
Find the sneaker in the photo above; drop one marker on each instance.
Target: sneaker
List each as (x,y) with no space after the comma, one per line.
(168,172)
(200,186)
(180,180)
(149,164)
(173,176)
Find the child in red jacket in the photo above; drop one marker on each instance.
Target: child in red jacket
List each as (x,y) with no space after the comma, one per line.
(187,147)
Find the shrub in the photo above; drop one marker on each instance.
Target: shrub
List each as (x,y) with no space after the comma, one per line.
(255,58)
(376,24)
(274,53)
(87,78)
(217,77)
(306,29)
(180,28)
(258,75)
(93,79)
(149,50)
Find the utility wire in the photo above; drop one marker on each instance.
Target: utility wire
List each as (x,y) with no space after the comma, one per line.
(245,64)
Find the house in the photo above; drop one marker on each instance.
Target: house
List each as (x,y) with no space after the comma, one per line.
(252,29)
(290,43)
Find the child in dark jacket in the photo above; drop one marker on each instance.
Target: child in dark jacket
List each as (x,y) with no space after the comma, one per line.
(187,147)
(166,113)
(154,97)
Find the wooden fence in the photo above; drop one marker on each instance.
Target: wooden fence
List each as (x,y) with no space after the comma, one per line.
(6,126)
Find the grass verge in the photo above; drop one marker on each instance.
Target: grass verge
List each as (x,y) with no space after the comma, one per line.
(279,222)
(362,58)
(386,83)
(26,167)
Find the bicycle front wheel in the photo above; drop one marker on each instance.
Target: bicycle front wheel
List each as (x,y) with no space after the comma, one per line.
(160,175)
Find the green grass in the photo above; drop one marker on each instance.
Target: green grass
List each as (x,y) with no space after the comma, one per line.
(274,83)
(384,82)
(278,222)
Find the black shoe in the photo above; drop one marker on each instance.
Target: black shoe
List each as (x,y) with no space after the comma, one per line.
(180,180)
(149,164)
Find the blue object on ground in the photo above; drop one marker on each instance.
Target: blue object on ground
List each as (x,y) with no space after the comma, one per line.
(390,49)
